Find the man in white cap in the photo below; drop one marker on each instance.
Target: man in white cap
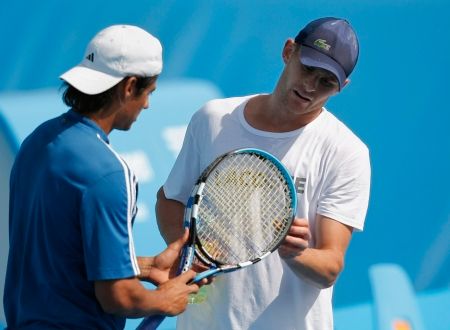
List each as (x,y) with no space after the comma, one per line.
(72,263)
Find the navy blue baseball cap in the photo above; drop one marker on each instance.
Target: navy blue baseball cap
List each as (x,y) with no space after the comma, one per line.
(329,43)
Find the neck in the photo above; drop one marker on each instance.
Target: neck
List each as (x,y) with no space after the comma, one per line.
(264,112)
(106,124)
(103,118)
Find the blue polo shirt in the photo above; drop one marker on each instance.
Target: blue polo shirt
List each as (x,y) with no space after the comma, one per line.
(72,205)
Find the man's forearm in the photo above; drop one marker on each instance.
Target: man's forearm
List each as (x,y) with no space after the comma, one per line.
(319,267)
(323,263)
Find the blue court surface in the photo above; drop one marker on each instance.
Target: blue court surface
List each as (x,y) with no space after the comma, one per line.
(397,268)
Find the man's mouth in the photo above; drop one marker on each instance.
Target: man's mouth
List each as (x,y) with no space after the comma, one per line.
(304,98)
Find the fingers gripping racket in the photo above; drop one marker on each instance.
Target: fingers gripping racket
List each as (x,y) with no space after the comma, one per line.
(239,212)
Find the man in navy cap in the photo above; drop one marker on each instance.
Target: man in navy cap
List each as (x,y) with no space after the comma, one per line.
(291,289)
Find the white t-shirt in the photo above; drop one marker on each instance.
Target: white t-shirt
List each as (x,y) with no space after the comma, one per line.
(331,169)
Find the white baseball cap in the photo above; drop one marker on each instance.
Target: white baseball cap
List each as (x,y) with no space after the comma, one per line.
(114,53)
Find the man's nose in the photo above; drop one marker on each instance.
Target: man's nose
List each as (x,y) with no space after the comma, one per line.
(310,82)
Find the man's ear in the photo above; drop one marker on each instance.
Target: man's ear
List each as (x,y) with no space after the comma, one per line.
(288,50)
(129,86)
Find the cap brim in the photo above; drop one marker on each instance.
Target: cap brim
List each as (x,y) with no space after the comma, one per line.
(311,57)
(89,81)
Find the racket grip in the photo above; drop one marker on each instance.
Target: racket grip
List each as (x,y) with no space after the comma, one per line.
(151,322)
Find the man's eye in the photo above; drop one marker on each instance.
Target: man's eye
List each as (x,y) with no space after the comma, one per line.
(328,82)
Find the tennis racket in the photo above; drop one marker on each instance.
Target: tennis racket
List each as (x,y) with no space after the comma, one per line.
(238,213)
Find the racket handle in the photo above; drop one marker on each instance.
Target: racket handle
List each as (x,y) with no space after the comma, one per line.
(151,322)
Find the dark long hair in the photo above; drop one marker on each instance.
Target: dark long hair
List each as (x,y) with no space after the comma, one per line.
(84,103)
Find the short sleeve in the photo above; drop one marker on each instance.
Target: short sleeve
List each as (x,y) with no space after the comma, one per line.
(106,228)
(345,195)
(186,169)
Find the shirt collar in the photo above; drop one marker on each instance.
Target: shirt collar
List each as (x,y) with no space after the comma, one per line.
(75,116)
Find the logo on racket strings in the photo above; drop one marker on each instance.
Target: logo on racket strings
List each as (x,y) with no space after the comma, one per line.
(244,178)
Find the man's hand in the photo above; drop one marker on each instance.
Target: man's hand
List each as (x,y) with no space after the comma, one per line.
(164,266)
(297,239)
(175,293)
(128,297)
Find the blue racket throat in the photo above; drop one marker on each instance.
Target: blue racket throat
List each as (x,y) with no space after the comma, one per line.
(206,274)
(186,260)
(187,211)
(211,273)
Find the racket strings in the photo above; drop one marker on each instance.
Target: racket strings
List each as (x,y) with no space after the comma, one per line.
(247,208)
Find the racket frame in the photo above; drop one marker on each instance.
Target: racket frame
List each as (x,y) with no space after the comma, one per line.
(191,217)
